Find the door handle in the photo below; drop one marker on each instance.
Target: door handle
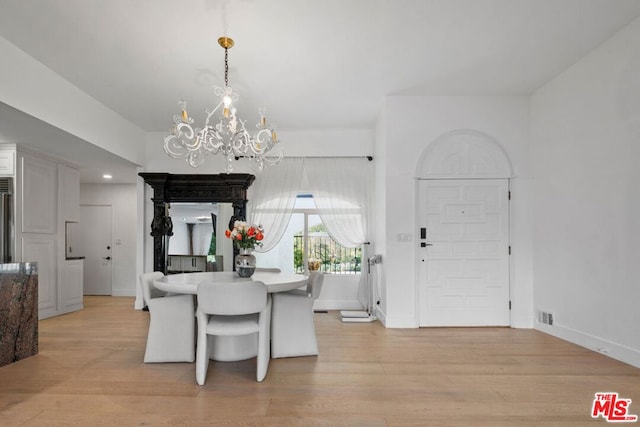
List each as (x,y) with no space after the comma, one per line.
(108,257)
(424,245)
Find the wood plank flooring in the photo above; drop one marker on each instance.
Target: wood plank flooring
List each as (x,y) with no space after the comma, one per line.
(89,372)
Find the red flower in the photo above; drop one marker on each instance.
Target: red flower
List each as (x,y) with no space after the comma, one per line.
(238,236)
(259,236)
(227,233)
(251,231)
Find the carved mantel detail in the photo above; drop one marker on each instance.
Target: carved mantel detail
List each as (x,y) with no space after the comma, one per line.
(168,188)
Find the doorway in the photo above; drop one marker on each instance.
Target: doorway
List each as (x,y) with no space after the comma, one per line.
(464,264)
(96,225)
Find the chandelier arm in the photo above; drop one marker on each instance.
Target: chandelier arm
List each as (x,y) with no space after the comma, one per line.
(171,143)
(211,113)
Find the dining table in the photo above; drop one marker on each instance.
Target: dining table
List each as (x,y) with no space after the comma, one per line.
(230,348)
(187,283)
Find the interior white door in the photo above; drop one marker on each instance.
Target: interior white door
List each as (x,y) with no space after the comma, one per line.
(464,267)
(95,238)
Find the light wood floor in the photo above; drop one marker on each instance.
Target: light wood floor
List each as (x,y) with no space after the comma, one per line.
(89,372)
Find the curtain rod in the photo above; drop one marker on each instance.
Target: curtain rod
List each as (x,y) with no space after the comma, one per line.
(370,158)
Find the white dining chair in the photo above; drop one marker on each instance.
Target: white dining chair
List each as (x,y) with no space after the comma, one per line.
(293,332)
(171,335)
(232,309)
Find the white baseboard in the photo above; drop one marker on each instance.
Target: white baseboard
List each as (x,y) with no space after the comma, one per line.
(400,322)
(382,317)
(123,292)
(326,304)
(616,351)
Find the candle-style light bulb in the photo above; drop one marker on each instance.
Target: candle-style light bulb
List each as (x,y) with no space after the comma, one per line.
(263,118)
(184,116)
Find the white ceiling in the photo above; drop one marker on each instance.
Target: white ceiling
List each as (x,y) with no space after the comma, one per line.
(312,63)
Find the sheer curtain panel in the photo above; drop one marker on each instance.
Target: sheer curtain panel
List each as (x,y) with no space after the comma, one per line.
(341,189)
(272,198)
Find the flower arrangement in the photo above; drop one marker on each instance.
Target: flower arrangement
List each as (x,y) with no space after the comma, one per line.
(245,236)
(314,264)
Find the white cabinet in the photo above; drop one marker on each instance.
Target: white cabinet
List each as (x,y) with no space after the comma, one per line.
(186,263)
(38,187)
(68,193)
(174,263)
(7,161)
(41,249)
(70,286)
(47,193)
(194,263)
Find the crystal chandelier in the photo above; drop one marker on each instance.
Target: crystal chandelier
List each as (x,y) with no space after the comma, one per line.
(223,133)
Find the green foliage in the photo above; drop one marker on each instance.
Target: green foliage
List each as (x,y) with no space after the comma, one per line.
(212,245)
(318,228)
(298,260)
(333,257)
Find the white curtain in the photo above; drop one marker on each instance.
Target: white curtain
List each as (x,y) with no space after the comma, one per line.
(272,197)
(341,189)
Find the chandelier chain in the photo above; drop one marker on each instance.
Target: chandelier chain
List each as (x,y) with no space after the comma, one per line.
(226,67)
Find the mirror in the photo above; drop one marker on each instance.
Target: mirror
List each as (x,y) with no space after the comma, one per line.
(193,232)
(193,228)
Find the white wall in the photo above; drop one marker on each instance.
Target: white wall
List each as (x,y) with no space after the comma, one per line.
(585,129)
(410,124)
(123,200)
(378,245)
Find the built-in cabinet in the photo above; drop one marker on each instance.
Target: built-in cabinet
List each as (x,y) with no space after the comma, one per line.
(42,250)
(47,194)
(71,280)
(37,185)
(71,273)
(68,193)
(186,263)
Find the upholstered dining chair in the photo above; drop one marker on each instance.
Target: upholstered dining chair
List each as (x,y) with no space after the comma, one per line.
(232,309)
(292,330)
(171,336)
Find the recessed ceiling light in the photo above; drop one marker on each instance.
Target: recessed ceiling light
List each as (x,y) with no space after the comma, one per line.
(107,176)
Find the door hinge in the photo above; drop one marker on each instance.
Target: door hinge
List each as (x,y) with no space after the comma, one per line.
(509,250)
(509,195)
(509,304)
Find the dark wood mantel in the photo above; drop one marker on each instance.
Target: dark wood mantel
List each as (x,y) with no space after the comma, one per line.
(168,188)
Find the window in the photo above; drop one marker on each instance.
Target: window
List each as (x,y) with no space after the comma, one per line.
(307,243)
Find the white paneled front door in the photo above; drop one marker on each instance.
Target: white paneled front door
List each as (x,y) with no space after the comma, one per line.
(464,269)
